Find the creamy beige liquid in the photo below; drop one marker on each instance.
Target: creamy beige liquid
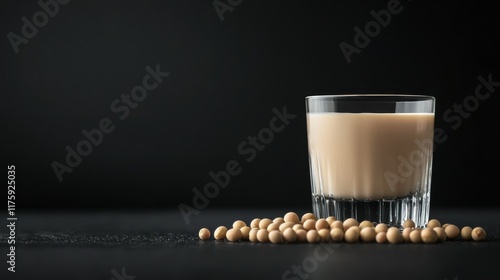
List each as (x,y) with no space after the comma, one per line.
(369,156)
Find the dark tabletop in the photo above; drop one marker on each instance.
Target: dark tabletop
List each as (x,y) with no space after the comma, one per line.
(159,245)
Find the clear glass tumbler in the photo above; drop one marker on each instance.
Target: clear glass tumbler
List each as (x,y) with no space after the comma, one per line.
(370,156)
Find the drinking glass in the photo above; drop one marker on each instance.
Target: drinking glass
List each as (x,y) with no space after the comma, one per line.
(370,156)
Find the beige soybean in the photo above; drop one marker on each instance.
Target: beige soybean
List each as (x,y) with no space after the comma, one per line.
(445,225)
(312,236)
(301,235)
(381,228)
(297,227)
(406,234)
(381,237)
(336,235)
(291,217)
(263,235)
(350,222)
(409,224)
(365,223)
(204,234)
(252,236)
(322,224)
(440,233)
(330,219)
(394,236)
(289,235)
(478,234)
(264,223)
(245,232)
(273,226)
(276,237)
(278,220)
(233,234)
(367,234)
(429,235)
(220,233)
(415,236)
(356,228)
(451,231)
(433,223)
(337,224)
(466,233)
(286,225)
(255,223)
(351,235)
(309,224)
(239,224)
(324,234)
(308,216)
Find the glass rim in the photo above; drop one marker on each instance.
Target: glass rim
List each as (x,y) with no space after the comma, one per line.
(418,97)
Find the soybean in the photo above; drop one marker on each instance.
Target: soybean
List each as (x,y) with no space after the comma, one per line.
(394,236)
(433,223)
(245,233)
(220,233)
(367,234)
(337,235)
(309,224)
(263,235)
(204,234)
(337,224)
(255,223)
(264,223)
(239,224)
(273,226)
(451,231)
(351,235)
(478,234)
(409,224)
(406,234)
(349,223)
(365,223)
(291,217)
(297,227)
(312,236)
(428,235)
(381,228)
(233,234)
(381,237)
(301,235)
(322,224)
(289,235)
(278,220)
(466,233)
(415,236)
(331,219)
(276,237)
(440,233)
(324,234)
(285,225)
(308,216)
(252,236)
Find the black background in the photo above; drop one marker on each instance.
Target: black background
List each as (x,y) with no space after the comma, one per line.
(225,79)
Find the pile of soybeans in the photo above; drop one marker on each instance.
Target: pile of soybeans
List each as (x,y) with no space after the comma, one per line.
(291,229)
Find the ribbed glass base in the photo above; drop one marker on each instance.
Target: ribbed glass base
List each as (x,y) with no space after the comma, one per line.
(393,212)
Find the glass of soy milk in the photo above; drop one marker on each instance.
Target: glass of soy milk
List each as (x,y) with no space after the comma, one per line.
(370,156)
